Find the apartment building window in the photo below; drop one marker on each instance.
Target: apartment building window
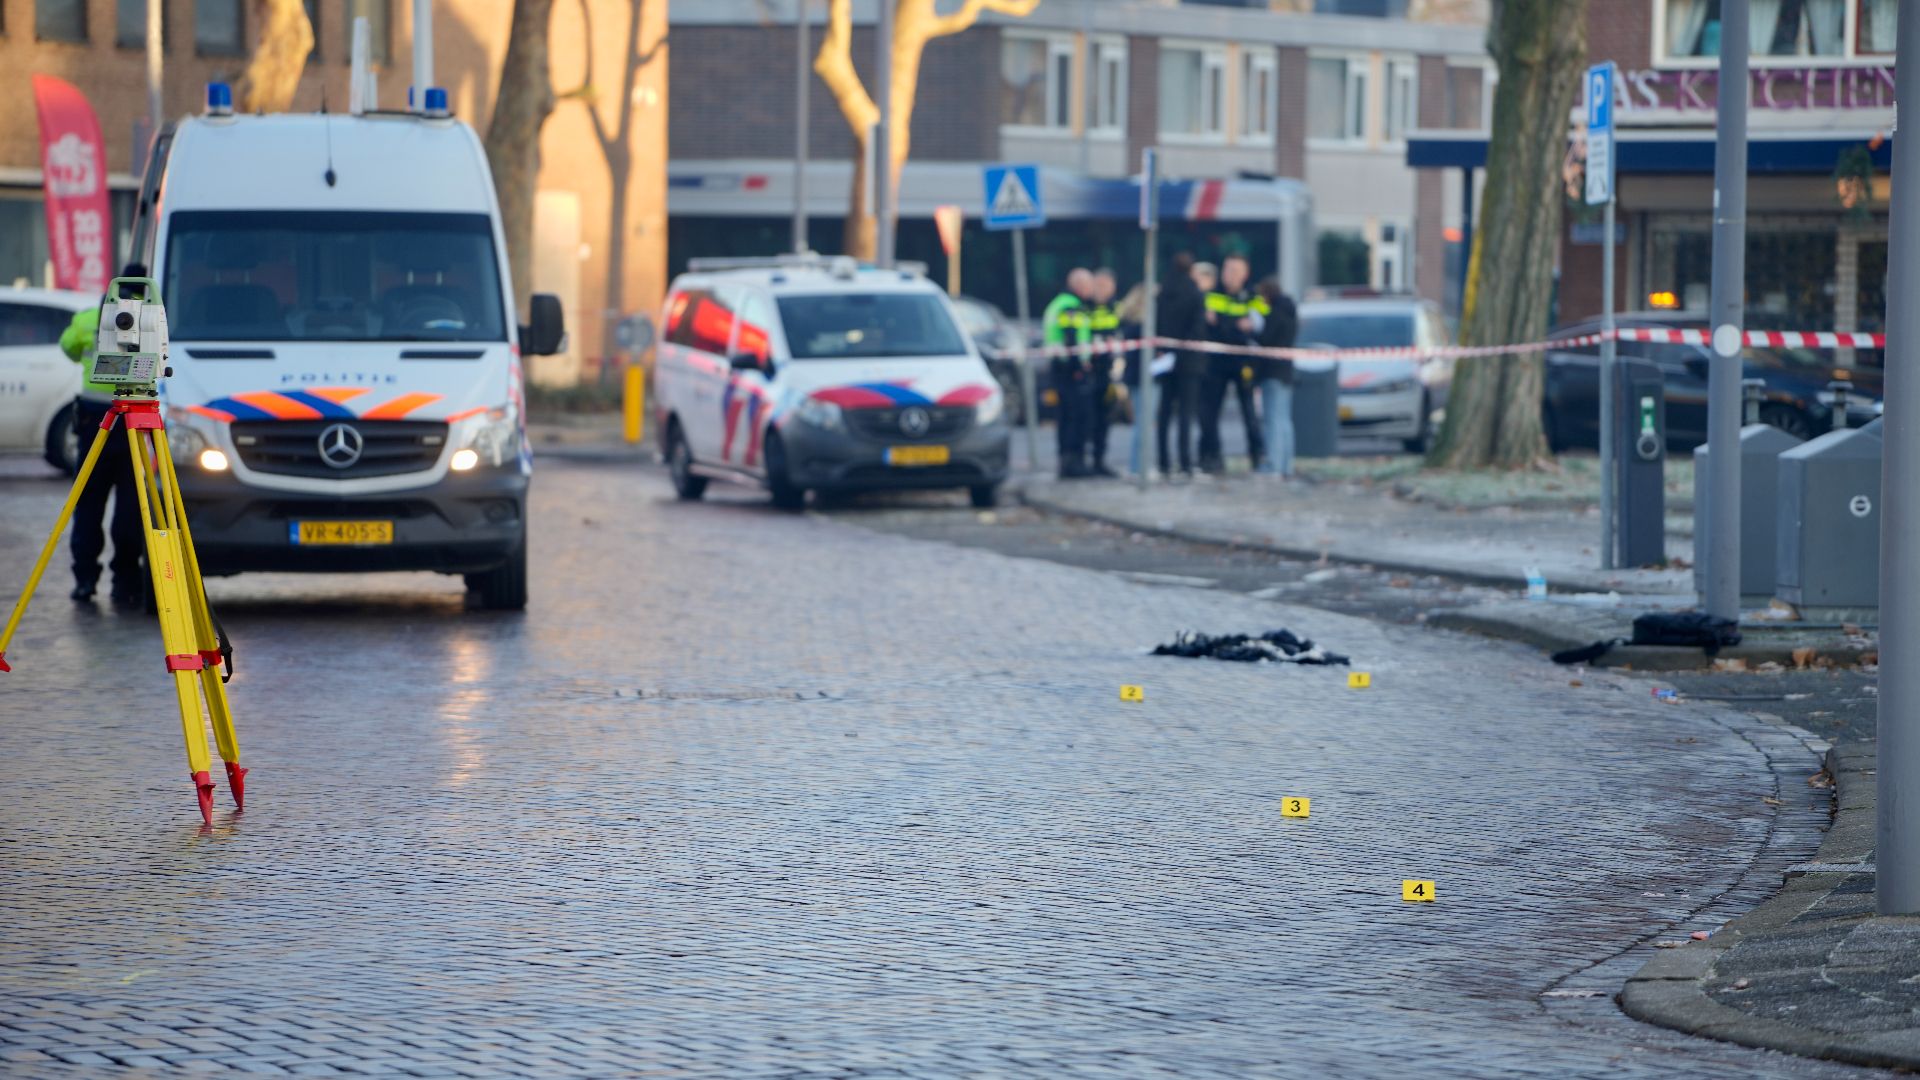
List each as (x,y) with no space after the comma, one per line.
(1259,73)
(1402,101)
(1109,113)
(130,23)
(1337,99)
(60,20)
(376,13)
(1193,91)
(1779,31)
(218,27)
(1036,82)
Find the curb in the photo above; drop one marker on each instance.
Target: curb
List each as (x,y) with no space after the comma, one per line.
(1670,990)
(1637,657)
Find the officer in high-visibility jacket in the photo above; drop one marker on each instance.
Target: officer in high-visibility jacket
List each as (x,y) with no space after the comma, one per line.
(1234,317)
(1103,325)
(112,475)
(1066,329)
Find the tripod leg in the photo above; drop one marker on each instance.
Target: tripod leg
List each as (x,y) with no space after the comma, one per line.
(202,618)
(176,629)
(53,539)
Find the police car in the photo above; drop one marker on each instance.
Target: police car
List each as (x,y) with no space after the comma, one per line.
(37,381)
(809,374)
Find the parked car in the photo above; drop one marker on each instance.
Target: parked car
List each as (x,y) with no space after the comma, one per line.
(37,381)
(346,389)
(799,373)
(1391,399)
(1796,399)
(997,340)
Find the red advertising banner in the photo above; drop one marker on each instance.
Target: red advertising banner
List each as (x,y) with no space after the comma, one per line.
(79,223)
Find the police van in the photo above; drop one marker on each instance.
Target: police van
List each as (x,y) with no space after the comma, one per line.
(809,374)
(346,390)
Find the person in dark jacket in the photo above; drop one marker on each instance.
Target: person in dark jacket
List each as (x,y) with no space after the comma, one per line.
(1274,377)
(1232,314)
(1180,313)
(112,477)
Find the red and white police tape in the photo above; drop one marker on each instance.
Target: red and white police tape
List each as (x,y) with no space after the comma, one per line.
(1776,339)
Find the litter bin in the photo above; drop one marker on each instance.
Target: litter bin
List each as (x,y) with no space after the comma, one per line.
(1829,553)
(1760,448)
(1640,463)
(1316,408)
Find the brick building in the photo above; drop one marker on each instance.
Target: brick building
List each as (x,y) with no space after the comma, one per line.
(1080,87)
(99,45)
(1821,104)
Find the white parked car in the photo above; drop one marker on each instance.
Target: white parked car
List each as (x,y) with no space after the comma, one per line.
(37,381)
(1385,399)
(808,374)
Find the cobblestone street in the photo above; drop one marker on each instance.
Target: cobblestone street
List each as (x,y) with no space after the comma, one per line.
(746,794)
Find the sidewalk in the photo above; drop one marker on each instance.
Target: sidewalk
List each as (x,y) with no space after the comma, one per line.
(1487,530)
(1813,971)
(585,437)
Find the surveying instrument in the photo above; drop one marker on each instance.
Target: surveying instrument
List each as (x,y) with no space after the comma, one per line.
(132,357)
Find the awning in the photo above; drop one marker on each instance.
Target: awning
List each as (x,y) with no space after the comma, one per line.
(1668,151)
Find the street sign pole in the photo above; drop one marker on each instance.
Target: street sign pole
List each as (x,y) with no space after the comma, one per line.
(1028,387)
(802,84)
(1897,801)
(1013,201)
(1145,413)
(1600,183)
(883,149)
(1728,316)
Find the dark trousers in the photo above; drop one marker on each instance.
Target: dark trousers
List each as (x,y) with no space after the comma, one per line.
(1072,382)
(1100,416)
(112,475)
(1179,397)
(1222,373)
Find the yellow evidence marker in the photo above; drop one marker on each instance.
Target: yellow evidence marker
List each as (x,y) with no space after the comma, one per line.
(1416,891)
(1295,807)
(1131,692)
(1358,680)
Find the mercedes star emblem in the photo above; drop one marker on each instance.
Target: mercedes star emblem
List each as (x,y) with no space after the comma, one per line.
(340,445)
(914,422)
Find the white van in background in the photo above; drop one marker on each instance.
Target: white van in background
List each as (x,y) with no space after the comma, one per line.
(346,391)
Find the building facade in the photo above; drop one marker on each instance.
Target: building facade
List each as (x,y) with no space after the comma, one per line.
(1081,87)
(1820,117)
(99,46)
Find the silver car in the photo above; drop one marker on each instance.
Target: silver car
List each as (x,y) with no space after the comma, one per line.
(1383,399)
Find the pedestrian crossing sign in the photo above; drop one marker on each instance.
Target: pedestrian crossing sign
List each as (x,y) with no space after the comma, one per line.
(1013,197)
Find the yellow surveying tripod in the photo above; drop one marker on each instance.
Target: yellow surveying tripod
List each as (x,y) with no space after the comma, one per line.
(132,357)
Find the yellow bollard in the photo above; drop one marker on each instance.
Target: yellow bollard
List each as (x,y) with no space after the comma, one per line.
(634,402)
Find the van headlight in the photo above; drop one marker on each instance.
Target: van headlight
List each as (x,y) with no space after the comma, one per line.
(187,439)
(820,414)
(492,440)
(990,409)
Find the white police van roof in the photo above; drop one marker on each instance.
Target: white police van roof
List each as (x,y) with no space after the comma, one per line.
(379,162)
(804,274)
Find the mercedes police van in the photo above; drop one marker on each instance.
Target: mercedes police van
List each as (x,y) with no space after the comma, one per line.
(346,390)
(808,374)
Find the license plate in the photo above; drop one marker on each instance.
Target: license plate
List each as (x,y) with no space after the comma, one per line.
(918,455)
(340,532)
(1346,412)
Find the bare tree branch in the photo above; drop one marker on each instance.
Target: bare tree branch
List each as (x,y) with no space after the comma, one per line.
(971,11)
(834,65)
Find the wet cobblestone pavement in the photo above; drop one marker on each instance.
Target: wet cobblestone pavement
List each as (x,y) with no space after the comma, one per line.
(754,795)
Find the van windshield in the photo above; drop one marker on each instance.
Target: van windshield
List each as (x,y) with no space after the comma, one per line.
(332,276)
(836,326)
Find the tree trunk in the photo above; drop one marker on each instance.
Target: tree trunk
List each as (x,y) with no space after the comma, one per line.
(1493,410)
(513,135)
(619,171)
(859,237)
(273,73)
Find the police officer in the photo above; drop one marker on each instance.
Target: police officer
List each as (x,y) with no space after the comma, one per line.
(1066,330)
(1234,315)
(112,475)
(1103,326)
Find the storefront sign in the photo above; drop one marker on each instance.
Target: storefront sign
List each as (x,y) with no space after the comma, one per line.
(1643,95)
(74,161)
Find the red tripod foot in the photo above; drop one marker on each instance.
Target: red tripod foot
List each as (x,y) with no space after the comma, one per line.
(237,783)
(203,785)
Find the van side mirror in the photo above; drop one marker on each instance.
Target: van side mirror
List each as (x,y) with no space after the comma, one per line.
(546,330)
(746,361)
